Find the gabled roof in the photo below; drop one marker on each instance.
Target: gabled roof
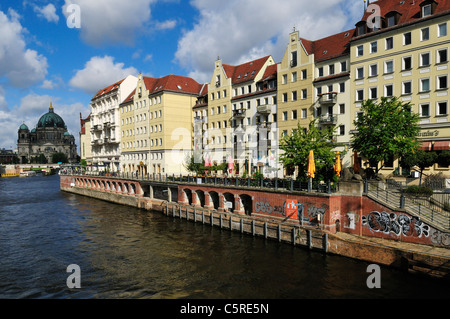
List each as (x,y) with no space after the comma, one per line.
(408,11)
(129,98)
(108,89)
(329,47)
(270,72)
(244,72)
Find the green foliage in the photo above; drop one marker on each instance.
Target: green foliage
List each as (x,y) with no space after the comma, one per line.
(59,157)
(419,191)
(83,162)
(444,158)
(386,129)
(296,147)
(194,164)
(419,158)
(41,159)
(257,175)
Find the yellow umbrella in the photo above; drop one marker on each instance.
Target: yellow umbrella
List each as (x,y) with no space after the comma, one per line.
(337,166)
(311,165)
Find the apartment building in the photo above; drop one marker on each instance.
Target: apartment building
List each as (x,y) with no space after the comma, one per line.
(400,48)
(105,123)
(241,109)
(157,125)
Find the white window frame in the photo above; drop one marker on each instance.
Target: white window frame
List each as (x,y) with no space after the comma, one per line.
(421,59)
(386,69)
(439,29)
(421,107)
(421,85)
(437,108)
(385,90)
(357,93)
(360,50)
(403,88)
(437,82)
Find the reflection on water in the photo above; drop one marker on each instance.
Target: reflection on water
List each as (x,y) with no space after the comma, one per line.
(125,252)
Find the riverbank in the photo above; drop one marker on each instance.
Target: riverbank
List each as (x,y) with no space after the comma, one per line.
(416,258)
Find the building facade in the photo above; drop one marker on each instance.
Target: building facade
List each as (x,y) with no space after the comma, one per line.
(85,139)
(105,123)
(405,54)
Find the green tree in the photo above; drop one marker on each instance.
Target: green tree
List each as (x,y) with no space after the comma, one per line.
(296,147)
(384,130)
(193,164)
(59,157)
(421,159)
(443,158)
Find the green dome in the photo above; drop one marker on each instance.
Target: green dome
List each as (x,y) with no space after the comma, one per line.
(51,119)
(33,130)
(23,127)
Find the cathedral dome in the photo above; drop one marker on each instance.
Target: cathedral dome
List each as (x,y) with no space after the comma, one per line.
(23,127)
(51,119)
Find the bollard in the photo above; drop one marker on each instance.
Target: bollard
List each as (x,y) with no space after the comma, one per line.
(309,239)
(325,242)
(279,232)
(265,229)
(253,227)
(242,225)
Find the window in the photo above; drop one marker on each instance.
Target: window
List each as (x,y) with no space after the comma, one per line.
(360,73)
(424,110)
(304,113)
(344,66)
(442,56)
(425,34)
(330,88)
(320,70)
(284,78)
(373,93)
(389,43)
(425,59)
(388,90)
(442,82)
(342,130)
(319,91)
(294,114)
(341,108)
(426,10)
(294,96)
(391,21)
(407,63)
(442,30)
(441,108)
(407,87)
(373,69)
(341,87)
(294,76)
(359,95)
(285,98)
(304,74)
(389,67)
(284,116)
(360,50)
(407,38)
(331,69)
(374,47)
(304,93)
(424,85)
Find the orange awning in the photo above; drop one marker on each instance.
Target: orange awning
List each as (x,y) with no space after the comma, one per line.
(441,146)
(426,146)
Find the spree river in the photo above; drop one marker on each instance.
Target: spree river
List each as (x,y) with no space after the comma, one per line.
(125,252)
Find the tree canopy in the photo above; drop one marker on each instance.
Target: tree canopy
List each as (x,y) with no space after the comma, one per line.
(384,130)
(296,147)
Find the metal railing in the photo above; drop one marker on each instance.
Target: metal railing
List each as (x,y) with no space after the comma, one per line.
(286,184)
(426,208)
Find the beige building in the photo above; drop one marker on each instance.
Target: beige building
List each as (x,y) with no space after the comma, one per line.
(405,54)
(157,125)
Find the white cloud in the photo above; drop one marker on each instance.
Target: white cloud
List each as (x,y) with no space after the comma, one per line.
(21,66)
(3,103)
(239,31)
(166,25)
(111,21)
(100,72)
(48,13)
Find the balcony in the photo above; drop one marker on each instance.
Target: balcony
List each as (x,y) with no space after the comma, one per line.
(263,109)
(328,98)
(239,114)
(97,127)
(264,126)
(329,119)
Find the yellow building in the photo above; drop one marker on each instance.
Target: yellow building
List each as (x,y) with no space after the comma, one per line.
(128,160)
(400,48)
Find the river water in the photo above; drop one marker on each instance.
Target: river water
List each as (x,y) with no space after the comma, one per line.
(124,252)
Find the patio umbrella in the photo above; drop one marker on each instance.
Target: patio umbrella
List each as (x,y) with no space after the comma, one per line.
(311,164)
(356,167)
(207,163)
(337,166)
(230,164)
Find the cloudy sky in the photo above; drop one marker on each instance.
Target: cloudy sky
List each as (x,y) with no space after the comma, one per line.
(65,51)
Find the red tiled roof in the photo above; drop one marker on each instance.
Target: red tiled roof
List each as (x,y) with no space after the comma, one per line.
(108,89)
(244,72)
(270,72)
(409,11)
(130,97)
(174,83)
(329,47)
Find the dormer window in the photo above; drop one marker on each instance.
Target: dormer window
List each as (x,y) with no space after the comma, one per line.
(428,7)
(392,18)
(361,28)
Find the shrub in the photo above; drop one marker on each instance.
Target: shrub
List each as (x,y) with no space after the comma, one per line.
(419,191)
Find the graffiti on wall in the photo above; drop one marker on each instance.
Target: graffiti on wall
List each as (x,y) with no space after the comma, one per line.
(440,238)
(396,223)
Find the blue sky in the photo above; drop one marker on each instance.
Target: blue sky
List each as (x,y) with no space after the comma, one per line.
(43,60)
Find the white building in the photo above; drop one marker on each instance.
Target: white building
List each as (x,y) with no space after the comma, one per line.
(105,122)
